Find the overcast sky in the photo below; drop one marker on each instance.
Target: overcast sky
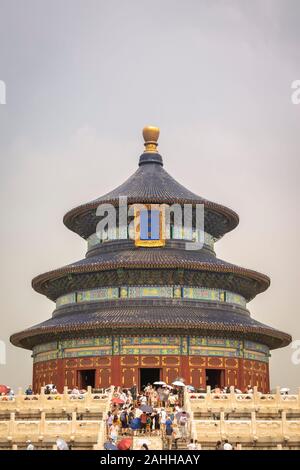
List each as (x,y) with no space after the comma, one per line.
(84,76)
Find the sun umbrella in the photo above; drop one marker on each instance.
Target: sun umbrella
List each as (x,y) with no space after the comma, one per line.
(4,389)
(190,387)
(159,382)
(284,390)
(117,401)
(178,383)
(110,446)
(124,444)
(146,408)
(135,423)
(62,445)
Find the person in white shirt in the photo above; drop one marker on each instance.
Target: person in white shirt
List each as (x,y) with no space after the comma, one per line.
(114,431)
(163,418)
(197,445)
(183,420)
(191,445)
(227,445)
(172,400)
(143,400)
(176,434)
(30,446)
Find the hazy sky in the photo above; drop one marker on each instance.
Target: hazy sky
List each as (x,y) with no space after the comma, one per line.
(84,76)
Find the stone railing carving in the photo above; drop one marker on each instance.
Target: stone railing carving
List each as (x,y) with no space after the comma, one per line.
(191,423)
(235,401)
(250,431)
(93,402)
(47,431)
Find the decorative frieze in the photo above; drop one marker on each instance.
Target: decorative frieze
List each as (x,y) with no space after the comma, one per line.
(138,292)
(151,345)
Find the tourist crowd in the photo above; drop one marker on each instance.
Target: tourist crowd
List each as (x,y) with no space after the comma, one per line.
(156,410)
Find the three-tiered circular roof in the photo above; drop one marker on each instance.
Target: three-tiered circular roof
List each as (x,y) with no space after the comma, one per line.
(151,184)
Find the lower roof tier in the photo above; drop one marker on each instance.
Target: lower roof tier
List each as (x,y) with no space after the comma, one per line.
(203,320)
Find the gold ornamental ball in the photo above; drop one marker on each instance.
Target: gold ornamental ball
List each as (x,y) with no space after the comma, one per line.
(151,133)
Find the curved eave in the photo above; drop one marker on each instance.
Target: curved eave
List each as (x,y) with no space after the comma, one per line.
(151,320)
(72,218)
(88,266)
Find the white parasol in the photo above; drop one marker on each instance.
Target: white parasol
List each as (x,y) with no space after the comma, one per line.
(61,444)
(178,383)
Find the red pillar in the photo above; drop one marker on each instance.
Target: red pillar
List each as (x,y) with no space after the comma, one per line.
(115,371)
(240,375)
(60,374)
(185,368)
(267,379)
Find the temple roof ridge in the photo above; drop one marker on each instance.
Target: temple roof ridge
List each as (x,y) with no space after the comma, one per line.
(150,183)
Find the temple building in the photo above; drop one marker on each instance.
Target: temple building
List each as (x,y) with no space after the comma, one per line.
(151,301)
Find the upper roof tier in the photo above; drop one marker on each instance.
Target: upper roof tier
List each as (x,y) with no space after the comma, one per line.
(151,184)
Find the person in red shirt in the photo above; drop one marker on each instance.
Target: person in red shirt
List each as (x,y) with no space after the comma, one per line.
(143,421)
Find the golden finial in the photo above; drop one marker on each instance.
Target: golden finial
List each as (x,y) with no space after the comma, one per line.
(150,134)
